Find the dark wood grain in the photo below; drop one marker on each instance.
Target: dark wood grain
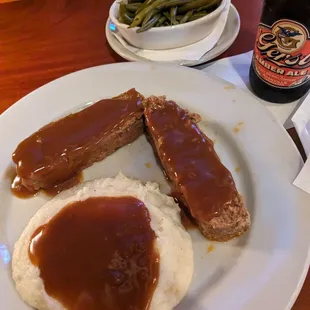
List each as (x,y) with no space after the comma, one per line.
(41,40)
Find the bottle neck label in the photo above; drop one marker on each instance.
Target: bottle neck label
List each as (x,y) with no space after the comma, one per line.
(281,56)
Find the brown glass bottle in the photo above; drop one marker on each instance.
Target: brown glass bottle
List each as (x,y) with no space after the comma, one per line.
(280,69)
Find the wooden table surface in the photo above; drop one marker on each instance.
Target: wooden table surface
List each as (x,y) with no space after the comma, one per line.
(41,40)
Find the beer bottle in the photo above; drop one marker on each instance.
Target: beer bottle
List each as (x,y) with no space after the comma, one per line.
(280,69)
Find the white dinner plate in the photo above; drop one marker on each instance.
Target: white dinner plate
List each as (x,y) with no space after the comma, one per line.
(266,267)
(227,38)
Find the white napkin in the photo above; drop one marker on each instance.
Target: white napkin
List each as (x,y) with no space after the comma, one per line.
(191,52)
(235,70)
(301,120)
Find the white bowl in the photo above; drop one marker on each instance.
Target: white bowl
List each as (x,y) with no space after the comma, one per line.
(161,38)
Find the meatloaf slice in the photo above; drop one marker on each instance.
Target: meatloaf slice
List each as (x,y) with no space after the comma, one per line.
(201,181)
(61,149)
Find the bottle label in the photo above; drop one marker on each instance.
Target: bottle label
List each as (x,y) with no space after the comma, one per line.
(281,56)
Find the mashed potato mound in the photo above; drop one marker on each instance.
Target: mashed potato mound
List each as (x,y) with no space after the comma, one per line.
(173,242)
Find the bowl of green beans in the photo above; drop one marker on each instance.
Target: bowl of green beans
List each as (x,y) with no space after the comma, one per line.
(165,24)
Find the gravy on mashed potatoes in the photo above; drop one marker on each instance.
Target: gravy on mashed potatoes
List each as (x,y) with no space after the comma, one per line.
(94,251)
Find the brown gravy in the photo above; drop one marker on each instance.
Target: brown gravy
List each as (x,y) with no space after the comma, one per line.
(190,161)
(20,191)
(98,254)
(187,220)
(57,188)
(17,188)
(61,149)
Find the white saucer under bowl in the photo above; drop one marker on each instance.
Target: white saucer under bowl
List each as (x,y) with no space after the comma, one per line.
(227,38)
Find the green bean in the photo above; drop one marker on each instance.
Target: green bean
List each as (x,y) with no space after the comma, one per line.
(141,15)
(213,5)
(152,22)
(170,3)
(157,4)
(161,21)
(120,19)
(193,5)
(149,16)
(200,14)
(173,14)
(186,17)
(122,9)
(133,7)
(127,19)
(197,16)
(131,14)
(124,17)
(167,15)
(179,17)
(144,5)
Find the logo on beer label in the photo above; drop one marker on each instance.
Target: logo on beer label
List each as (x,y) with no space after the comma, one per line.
(290,37)
(281,55)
